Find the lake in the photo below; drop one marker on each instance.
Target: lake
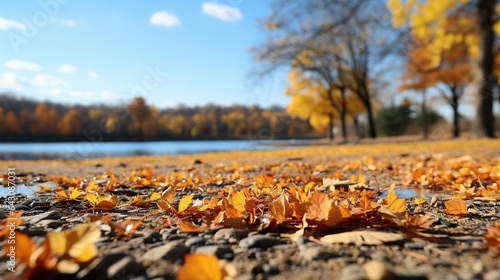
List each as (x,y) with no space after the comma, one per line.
(84,149)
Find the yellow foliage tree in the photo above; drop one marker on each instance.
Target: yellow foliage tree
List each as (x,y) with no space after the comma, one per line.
(319,103)
(428,20)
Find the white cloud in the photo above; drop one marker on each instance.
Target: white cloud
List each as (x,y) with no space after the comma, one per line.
(66,22)
(222,12)
(92,74)
(57,91)
(164,19)
(67,68)
(44,80)
(106,95)
(21,65)
(8,23)
(11,81)
(81,93)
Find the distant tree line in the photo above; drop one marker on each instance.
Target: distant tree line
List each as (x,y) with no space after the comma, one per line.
(24,120)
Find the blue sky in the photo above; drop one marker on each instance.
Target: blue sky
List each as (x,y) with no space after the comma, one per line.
(104,51)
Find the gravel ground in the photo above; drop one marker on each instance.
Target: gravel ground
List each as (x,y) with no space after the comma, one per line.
(156,251)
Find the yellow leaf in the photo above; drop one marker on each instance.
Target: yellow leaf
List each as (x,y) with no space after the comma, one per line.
(80,241)
(62,194)
(395,204)
(238,201)
(75,193)
(184,203)
(419,200)
(155,196)
(91,187)
(57,242)
(200,267)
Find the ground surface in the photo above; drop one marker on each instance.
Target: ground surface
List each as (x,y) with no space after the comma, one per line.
(250,227)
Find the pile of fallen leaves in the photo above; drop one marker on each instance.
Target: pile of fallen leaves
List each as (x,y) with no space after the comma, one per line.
(327,209)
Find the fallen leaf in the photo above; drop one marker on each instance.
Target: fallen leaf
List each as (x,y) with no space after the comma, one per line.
(295,236)
(184,203)
(280,208)
(6,227)
(188,226)
(200,267)
(238,200)
(105,203)
(319,206)
(394,203)
(78,243)
(362,237)
(155,196)
(419,200)
(493,236)
(456,207)
(168,195)
(126,228)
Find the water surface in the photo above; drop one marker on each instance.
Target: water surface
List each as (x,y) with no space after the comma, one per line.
(87,149)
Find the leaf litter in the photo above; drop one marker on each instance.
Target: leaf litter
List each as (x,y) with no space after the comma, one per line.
(328,209)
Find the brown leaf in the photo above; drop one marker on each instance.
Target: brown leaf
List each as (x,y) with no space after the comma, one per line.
(493,236)
(456,207)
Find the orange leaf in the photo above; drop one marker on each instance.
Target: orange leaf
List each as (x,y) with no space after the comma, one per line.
(5,230)
(230,210)
(418,222)
(188,226)
(105,203)
(493,236)
(456,207)
(238,201)
(280,208)
(200,267)
(366,203)
(319,206)
(168,194)
(334,216)
(126,228)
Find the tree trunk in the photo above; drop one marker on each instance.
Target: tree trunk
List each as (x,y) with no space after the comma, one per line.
(456,116)
(371,120)
(329,131)
(343,112)
(425,123)
(484,123)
